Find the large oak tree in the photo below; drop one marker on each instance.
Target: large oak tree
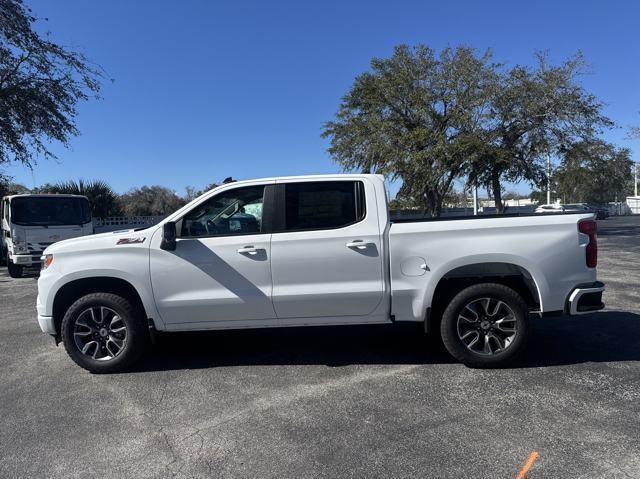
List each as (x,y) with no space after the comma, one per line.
(534,112)
(415,116)
(430,118)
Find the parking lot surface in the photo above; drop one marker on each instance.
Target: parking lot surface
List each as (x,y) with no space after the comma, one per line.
(332,402)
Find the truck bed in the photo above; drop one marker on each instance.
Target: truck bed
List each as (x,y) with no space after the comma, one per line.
(547,248)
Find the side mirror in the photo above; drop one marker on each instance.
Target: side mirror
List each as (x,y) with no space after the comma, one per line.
(168,236)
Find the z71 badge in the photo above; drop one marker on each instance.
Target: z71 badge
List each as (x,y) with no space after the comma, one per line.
(130,240)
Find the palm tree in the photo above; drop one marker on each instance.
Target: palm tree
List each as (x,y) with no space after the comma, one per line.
(102,198)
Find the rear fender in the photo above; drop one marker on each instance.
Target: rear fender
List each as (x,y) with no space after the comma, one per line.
(474,266)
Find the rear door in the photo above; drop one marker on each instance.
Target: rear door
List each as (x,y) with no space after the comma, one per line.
(326,250)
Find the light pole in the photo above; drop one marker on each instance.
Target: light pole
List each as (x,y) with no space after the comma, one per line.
(475,199)
(548,179)
(635,180)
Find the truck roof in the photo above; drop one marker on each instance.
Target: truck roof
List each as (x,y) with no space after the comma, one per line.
(43,195)
(308,177)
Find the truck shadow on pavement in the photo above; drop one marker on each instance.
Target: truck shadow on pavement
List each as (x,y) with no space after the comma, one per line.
(608,336)
(602,337)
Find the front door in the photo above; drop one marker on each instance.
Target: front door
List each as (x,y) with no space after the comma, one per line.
(326,251)
(220,270)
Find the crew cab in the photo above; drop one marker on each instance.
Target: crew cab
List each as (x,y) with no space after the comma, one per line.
(310,251)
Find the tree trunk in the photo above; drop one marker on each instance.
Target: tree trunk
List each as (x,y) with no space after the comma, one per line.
(433,203)
(496,187)
(437,206)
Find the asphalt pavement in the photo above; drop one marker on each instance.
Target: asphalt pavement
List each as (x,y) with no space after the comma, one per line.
(332,402)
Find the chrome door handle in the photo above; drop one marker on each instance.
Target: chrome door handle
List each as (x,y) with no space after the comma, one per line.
(359,244)
(248,250)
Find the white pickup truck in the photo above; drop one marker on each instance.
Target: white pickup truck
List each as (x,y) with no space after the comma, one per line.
(316,250)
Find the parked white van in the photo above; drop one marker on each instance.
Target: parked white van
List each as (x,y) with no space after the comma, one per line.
(30,223)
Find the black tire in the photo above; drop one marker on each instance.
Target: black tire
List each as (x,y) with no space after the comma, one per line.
(3,257)
(137,336)
(15,270)
(450,329)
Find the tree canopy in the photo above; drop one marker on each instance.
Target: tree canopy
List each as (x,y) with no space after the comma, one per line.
(150,201)
(8,187)
(594,172)
(414,116)
(191,193)
(534,112)
(430,118)
(41,84)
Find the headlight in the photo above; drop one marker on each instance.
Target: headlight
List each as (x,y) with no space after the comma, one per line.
(46,261)
(19,243)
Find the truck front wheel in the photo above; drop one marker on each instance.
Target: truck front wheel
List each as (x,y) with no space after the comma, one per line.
(15,270)
(485,325)
(104,333)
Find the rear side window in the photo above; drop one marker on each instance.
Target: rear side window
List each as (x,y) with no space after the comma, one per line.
(323,205)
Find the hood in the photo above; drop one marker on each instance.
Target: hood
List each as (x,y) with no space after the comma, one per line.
(100,241)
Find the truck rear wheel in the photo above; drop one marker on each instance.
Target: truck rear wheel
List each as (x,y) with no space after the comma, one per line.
(104,333)
(485,325)
(15,270)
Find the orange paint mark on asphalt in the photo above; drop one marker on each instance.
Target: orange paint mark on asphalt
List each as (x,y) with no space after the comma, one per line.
(527,465)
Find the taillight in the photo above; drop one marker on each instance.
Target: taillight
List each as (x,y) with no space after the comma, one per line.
(590,228)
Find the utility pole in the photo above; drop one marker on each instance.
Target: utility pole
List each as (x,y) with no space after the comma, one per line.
(548,179)
(635,181)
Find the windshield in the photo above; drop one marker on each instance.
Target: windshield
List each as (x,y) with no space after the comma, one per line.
(50,211)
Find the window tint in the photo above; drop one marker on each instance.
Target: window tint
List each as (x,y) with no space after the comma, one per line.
(323,205)
(234,212)
(49,211)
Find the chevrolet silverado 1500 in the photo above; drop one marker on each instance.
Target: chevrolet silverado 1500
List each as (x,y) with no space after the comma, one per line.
(316,250)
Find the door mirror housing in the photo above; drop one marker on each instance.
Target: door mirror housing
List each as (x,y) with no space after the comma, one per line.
(168,236)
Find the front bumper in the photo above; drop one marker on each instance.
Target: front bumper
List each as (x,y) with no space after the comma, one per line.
(586,298)
(25,259)
(47,325)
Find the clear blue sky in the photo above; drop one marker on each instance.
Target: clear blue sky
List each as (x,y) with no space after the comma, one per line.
(209,89)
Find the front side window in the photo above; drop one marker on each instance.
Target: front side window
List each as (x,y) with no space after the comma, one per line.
(323,205)
(233,212)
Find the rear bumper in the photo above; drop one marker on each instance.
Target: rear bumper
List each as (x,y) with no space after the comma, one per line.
(585,298)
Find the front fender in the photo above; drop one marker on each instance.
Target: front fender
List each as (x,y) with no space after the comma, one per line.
(51,282)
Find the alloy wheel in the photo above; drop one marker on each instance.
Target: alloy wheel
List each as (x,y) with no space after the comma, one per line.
(100,333)
(487,326)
